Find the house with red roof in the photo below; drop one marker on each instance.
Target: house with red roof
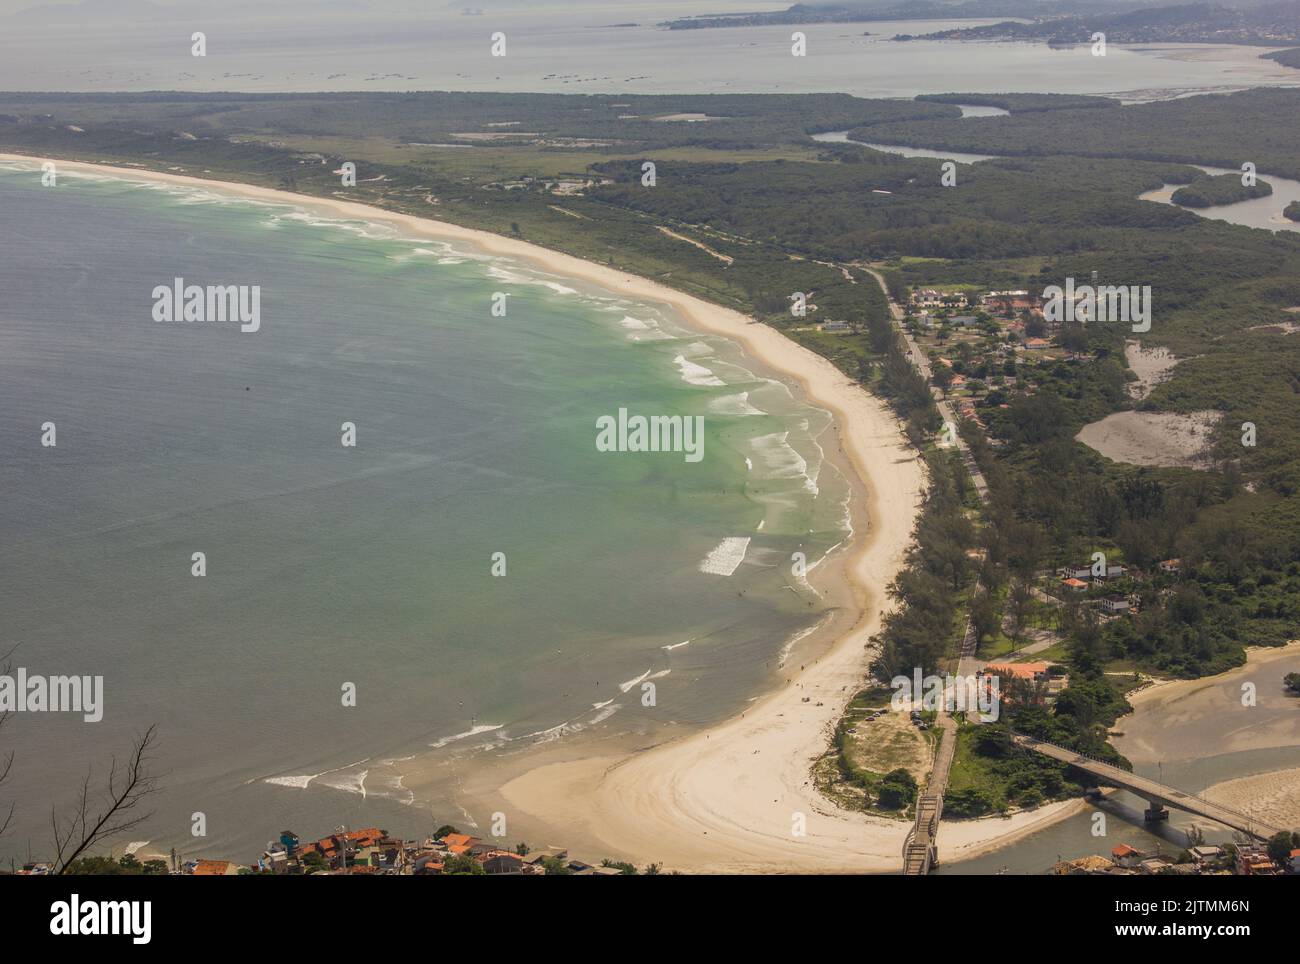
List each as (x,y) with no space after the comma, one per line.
(1126,856)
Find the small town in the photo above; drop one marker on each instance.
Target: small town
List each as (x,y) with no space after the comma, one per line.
(1241,859)
(369,850)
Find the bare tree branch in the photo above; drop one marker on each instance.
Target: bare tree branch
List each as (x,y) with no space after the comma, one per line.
(127,787)
(6,765)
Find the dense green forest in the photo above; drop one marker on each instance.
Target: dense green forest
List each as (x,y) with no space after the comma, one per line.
(1023,103)
(1219,130)
(624,121)
(1219,189)
(1287,58)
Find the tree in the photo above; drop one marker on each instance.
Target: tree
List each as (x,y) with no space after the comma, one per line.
(463,865)
(126,789)
(127,865)
(1292,681)
(967,802)
(1020,597)
(897,790)
(1280,846)
(941,375)
(983,615)
(314,862)
(1030,797)
(6,764)
(442,831)
(555,867)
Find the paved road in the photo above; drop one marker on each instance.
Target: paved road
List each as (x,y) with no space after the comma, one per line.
(922,364)
(919,851)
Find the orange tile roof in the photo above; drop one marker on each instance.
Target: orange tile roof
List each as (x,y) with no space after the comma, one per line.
(1018,670)
(211,868)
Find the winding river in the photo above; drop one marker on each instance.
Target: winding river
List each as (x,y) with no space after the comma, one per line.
(1263,212)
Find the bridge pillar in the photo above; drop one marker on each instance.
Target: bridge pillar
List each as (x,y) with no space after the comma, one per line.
(1156,812)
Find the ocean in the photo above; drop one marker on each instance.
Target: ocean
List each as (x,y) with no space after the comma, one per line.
(373,568)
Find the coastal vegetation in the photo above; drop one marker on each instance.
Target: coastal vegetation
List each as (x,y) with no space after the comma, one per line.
(1219,189)
(1287,58)
(877,757)
(1217,130)
(991,775)
(1022,103)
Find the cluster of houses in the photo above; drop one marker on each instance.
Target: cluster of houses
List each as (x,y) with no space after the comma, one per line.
(1078,580)
(373,851)
(1244,860)
(980,340)
(934,298)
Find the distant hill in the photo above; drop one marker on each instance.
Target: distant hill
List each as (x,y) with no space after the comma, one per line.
(869,10)
(1269,24)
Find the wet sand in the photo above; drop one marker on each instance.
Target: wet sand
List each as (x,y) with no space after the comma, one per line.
(1190,719)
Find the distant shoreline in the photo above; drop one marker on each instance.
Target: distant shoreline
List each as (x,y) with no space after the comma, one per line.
(726,798)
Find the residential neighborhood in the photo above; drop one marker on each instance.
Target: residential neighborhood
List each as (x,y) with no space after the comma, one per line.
(369,851)
(1240,859)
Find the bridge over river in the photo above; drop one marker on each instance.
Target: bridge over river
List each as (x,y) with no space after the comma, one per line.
(1156,794)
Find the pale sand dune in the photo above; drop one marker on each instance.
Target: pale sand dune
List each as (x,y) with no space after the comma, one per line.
(726,799)
(1153,438)
(1151,365)
(1271,797)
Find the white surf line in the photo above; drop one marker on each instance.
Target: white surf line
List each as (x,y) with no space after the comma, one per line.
(725,558)
(303,780)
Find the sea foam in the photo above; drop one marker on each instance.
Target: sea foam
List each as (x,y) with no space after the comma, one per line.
(726,557)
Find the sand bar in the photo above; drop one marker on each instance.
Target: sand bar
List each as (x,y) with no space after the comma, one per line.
(1189,719)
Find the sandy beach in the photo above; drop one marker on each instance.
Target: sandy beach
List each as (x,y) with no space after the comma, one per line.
(1273,797)
(738,796)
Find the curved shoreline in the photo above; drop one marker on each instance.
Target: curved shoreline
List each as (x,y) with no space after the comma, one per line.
(714,800)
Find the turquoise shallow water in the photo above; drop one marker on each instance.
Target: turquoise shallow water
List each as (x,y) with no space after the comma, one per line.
(370,565)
